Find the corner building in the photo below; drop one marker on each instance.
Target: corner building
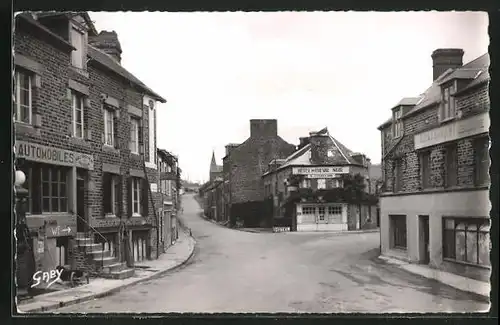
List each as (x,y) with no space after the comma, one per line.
(85,134)
(435,207)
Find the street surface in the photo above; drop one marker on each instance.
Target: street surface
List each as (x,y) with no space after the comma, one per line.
(236,271)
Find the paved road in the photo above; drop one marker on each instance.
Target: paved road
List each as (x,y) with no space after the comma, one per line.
(235,271)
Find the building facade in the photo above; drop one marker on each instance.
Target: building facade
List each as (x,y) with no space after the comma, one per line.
(435,206)
(169,198)
(310,175)
(84,133)
(245,163)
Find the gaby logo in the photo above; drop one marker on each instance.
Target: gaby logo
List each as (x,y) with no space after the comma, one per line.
(47,277)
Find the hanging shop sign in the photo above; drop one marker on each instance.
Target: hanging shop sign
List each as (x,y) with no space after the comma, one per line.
(51,155)
(459,129)
(320,172)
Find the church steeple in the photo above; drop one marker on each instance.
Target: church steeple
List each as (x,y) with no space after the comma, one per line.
(213,164)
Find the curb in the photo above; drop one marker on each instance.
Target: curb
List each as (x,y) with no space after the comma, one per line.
(401,264)
(111,291)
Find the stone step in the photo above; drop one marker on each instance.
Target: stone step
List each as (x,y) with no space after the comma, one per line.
(91,247)
(100,253)
(105,261)
(114,267)
(81,235)
(123,274)
(84,240)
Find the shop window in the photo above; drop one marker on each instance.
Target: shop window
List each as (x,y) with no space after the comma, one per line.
(139,246)
(62,244)
(306,183)
(334,210)
(451,165)
(482,161)
(321,183)
(398,230)
(54,189)
(425,169)
(23,91)
(309,210)
(467,240)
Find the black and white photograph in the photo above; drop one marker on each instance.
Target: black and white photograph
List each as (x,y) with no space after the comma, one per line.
(330,162)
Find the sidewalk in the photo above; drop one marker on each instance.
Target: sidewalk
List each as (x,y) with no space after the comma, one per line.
(174,257)
(456,281)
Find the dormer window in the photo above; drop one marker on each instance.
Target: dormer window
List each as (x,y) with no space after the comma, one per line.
(397,125)
(78,40)
(448,107)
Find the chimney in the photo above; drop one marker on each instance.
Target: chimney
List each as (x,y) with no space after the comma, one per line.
(319,147)
(263,128)
(359,158)
(230,147)
(108,43)
(444,59)
(304,141)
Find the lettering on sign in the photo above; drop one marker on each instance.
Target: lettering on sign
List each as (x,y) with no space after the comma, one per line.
(321,172)
(41,247)
(36,152)
(455,130)
(58,231)
(49,277)
(154,187)
(281,229)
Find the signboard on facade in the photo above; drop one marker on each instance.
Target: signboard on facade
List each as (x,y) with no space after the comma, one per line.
(321,172)
(154,187)
(473,125)
(51,155)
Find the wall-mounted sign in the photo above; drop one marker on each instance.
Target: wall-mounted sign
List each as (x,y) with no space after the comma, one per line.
(473,125)
(154,187)
(40,248)
(51,155)
(321,172)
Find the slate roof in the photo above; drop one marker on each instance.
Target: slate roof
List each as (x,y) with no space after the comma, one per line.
(476,71)
(117,68)
(29,19)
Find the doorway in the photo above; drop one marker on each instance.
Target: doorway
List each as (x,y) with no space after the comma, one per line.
(424,239)
(81,225)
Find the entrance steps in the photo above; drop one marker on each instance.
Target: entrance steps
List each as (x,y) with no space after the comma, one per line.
(108,266)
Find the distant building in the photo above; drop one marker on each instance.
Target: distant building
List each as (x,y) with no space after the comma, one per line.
(215,170)
(243,167)
(435,206)
(318,168)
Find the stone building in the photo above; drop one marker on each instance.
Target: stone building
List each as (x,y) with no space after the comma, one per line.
(169,197)
(435,206)
(318,166)
(245,163)
(85,133)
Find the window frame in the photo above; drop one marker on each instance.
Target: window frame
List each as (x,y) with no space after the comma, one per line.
(399,239)
(62,178)
(17,86)
(425,169)
(479,222)
(136,195)
(449,106)
(109,114)
(481,144)
(134,135)
(80,48)
(397,125)
(321,181)
(76,97)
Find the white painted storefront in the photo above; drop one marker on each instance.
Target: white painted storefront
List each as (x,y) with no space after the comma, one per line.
(321,217)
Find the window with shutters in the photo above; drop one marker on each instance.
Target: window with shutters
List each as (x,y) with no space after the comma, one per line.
(134,135)
(77,105)
(451,161)
(112,194)
(482,161)
(78,59)
(136,195)
(23,96)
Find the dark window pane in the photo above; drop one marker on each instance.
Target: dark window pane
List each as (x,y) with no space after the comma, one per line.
(55,190)
(62,190)
(55,205)
(45,174)
(54,175)
(46,204)
(63,205)
(460,246)
(45,189)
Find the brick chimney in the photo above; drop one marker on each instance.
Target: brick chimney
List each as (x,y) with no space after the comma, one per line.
(108,43)
(444,59)
(263,128)
(304,141)
(319,147)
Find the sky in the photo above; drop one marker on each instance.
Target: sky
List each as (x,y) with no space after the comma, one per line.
(308,70)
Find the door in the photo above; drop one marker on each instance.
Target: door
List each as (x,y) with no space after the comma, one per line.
(424,240)
(81,219)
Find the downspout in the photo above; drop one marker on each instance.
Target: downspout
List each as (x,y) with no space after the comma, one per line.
(147,181)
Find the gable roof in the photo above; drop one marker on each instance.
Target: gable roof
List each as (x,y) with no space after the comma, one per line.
(476,71)
(28,18)
(107,61)
(70,15)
